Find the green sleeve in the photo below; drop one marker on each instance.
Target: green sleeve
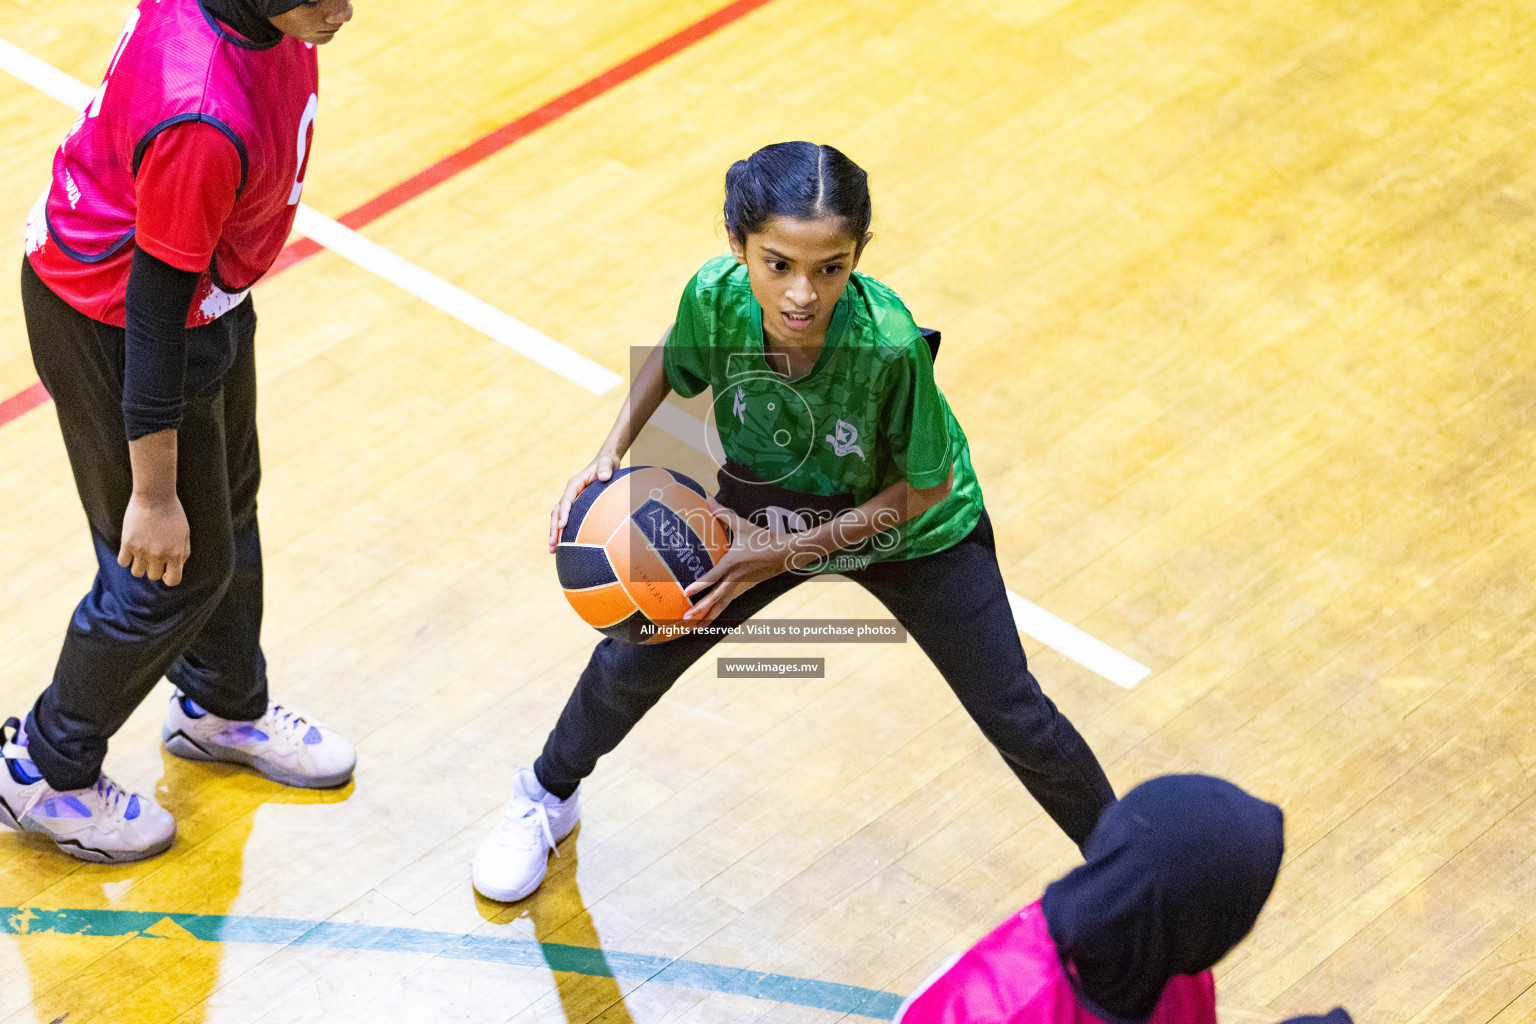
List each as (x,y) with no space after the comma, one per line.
(916,420)
(687,351)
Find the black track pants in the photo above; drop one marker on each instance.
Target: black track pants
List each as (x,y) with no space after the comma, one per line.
(952,603)
(127,633)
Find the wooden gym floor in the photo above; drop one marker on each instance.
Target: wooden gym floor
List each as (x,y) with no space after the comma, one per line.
(1237,300)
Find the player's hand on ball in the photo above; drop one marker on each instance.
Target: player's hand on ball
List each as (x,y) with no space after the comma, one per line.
(156,539)
(600,468)
(756,554)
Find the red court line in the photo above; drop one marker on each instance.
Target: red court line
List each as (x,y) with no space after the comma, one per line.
(22,401)
(498,140)
(481,149)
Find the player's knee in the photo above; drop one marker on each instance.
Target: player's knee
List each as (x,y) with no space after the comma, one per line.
(1021,722)
(627,672)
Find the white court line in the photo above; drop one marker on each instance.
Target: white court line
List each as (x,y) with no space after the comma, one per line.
(1032,620)
(1064,638)
(686,427)
(41,75)
(372,257)
(456,302)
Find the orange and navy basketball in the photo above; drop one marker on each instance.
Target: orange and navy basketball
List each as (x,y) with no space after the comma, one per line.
(631,545)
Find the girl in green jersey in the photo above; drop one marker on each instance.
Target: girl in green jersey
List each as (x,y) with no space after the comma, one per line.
(841,455)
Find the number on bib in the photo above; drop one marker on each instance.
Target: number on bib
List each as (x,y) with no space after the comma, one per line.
(305,123)
(117,53)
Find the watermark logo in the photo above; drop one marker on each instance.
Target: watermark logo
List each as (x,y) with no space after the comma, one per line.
(780,433)
(777,476)
(772,668)
(780,631)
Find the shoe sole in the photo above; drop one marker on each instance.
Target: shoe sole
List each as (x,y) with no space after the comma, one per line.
(514,895)
(79,851)
(188,749)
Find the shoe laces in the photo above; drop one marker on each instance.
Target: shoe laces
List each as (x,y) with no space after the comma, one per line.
(111,799)
(518,825)
(114,798)
(287,723)
(9,748)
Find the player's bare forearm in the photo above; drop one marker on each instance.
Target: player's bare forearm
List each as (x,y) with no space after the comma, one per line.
(156,539)
(153,458)
(886,510)
(645,396)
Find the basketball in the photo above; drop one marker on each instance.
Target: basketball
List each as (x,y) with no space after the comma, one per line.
(631,545)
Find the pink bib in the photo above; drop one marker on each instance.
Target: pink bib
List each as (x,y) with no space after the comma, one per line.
(172,64)
(1013,976)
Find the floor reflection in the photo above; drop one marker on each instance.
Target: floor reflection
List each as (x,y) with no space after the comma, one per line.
(559,915)
(160,973)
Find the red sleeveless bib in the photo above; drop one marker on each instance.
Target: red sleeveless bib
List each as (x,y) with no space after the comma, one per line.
(175,64)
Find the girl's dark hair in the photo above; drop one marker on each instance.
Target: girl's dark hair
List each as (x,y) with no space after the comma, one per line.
(795,179)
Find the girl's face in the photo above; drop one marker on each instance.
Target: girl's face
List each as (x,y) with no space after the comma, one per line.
(798,270)
(314,21)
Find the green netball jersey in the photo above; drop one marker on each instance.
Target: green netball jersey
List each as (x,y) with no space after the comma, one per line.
(867,415)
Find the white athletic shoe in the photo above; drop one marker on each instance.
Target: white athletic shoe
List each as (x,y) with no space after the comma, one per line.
(512,860)
(102,823)
(283,745)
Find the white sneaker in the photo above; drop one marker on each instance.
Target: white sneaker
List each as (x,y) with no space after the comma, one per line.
(283,745)
(102,823)
(512,860)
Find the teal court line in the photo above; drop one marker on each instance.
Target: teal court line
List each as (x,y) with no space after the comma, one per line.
(597,963)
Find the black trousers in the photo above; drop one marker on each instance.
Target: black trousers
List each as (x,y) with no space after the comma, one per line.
(952,603)
(127,633)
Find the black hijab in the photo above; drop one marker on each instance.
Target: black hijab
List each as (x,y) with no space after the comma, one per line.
(252,18)
(1176,874)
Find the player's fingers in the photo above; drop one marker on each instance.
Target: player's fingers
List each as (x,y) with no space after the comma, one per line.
(699,613)
(719,571)
(710,615)
(124,559)
(711,608)
(154,568)
(713,603)
(138,566)
(714,573)
(557,521)
(173,571)
(696,612)
(605,469)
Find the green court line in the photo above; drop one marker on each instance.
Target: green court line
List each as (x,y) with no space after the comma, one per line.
(598,963)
